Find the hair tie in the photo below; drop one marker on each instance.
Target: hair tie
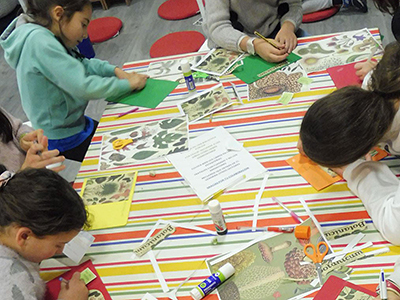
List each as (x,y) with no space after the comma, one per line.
(5,177)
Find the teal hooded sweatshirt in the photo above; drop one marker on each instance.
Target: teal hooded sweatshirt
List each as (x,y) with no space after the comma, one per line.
(55,87)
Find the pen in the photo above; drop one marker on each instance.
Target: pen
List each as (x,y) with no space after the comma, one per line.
(288,229)
(269,41)
(221,191)
(63,280)
(128,112)
(294,216)
(236,92)
(382,283)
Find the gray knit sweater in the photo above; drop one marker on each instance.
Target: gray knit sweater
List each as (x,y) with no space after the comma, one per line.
(11,154)
(19,278)
(260,15)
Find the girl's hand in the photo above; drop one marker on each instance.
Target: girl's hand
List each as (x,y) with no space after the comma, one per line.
(287,37)
(137,81)
(38,156)
(75,289)
(339,170)
(27,140)
(391,296)
(268,52)
(363,68)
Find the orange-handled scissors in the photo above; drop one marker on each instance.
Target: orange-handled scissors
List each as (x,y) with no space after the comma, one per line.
(317,256)
(121,143)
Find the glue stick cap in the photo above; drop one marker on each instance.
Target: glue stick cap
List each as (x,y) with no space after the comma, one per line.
(214,206)
(227,270)
(185,66)
(196,295)
(302,232)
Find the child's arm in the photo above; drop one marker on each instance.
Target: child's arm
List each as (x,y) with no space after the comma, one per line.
(379,189)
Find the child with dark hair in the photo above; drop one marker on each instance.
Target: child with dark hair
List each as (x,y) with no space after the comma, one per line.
(341,128)
(23,147)
(55,81)
(36,222)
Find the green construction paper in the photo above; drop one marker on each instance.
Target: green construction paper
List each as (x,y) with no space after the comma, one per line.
(285,98)
(255,68)
(305,80)
(153,94)
(87,275)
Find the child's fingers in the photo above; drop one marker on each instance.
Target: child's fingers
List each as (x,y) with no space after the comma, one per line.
(39,135)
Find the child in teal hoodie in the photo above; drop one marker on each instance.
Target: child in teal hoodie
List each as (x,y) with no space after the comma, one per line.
(56,82)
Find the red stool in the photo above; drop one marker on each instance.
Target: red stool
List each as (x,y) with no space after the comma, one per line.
(177,43)
(178,9)
(320,15)
(102,29)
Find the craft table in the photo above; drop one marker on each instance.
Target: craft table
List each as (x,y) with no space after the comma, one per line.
(269,131)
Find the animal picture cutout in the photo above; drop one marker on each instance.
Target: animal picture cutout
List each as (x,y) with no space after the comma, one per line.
(205,103)
(284,80)
(338,50)
(273,268)
(218,61)
(135,144)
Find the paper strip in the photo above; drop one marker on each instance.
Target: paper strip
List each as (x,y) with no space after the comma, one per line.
(157,270)
(350,246)
(229,254)
(192,227)
(363,246)
(257,201)
(311,215)
(345,230)
(154,240)
(148,296)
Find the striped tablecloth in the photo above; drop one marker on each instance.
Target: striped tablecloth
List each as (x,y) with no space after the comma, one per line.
(269,131)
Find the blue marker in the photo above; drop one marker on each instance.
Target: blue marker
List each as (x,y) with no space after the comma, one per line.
(212,282)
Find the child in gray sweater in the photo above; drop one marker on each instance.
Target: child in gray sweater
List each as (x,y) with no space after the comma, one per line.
(39,213)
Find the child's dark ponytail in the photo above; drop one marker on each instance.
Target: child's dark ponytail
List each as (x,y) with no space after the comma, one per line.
(39,9)
(43,201)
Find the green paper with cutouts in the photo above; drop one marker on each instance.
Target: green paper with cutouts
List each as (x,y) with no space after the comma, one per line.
(255,68)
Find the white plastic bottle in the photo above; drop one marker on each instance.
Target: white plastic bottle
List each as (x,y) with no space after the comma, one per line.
(217,217)
(187,73)
(212,282)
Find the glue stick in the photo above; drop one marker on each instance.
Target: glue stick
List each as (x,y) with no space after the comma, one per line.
(217,217)
(187,73)
(212,282)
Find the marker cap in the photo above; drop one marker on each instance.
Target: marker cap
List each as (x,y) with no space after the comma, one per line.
(302,232)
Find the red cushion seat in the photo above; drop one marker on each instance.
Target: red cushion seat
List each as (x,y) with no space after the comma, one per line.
(320,15)
(177,43)
(178,9)
(102,29)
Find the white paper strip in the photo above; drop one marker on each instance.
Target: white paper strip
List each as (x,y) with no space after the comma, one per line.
(192,227)
(350,246)
(355,249)
(76,248)
(311,215)
(257,201)
(157,270)
(148,296)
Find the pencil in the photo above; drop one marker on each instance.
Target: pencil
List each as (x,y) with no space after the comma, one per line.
(63,280)
(269,41)
(294,216)
(128,112)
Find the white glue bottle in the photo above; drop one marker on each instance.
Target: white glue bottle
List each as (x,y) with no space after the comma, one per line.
(187,73)
(217,217)
(212,282)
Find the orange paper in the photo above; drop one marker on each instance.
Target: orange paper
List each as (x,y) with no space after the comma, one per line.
(316,175)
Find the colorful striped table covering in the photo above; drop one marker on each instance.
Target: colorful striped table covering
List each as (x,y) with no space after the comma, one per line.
(269,131)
